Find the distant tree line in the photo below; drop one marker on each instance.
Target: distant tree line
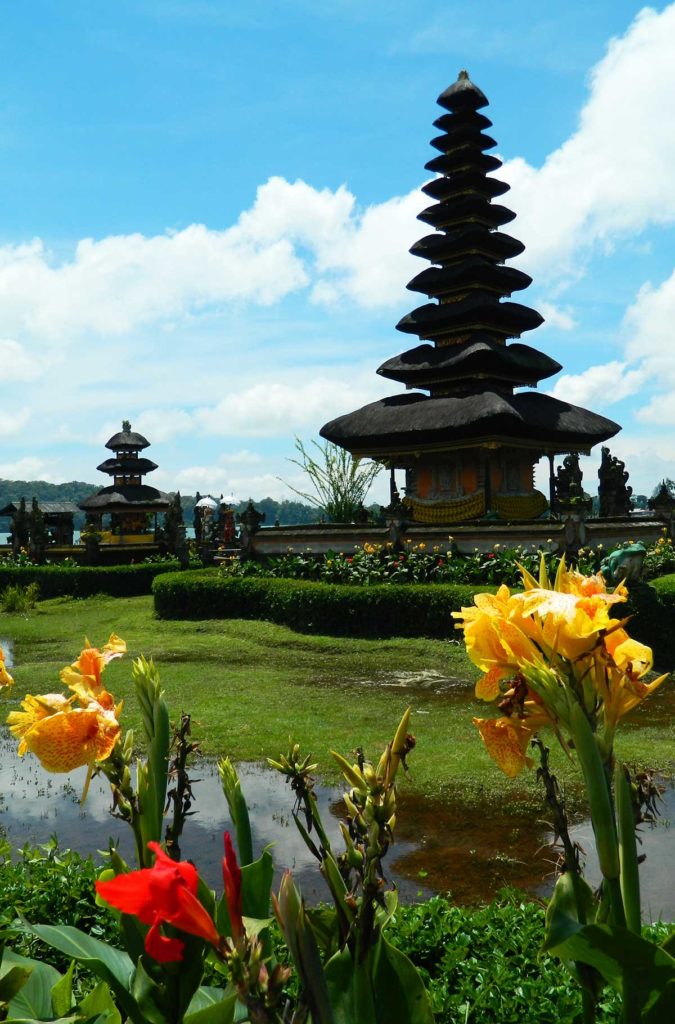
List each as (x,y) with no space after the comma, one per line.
(288,513)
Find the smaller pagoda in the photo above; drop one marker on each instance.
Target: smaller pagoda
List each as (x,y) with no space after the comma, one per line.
(131,505)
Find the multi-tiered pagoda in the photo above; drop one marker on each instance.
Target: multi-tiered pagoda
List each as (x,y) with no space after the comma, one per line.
(131,504)
(470,445)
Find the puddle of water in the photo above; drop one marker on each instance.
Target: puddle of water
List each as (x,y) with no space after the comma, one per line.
(420,681)
(473,855)
(439,848)
(36,805)
(7,646)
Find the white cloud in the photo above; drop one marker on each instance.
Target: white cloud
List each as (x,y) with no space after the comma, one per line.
(159,425)
(16,363)
(13,423)
(599,386)
(614,174)
(554,316)
(283,407)
(29,468)
(293,236)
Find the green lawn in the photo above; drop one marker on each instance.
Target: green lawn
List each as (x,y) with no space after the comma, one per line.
(251,685)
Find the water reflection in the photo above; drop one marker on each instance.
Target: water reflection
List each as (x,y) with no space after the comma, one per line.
(441,847)
(7,646)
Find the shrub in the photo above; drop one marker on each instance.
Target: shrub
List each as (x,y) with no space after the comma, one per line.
(84,581)
(337,609)
(16,598)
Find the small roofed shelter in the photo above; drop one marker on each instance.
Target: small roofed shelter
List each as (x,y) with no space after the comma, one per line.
(131,505)
(58,519)
(468,445)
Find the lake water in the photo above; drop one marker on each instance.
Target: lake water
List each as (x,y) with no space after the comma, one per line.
(440,847)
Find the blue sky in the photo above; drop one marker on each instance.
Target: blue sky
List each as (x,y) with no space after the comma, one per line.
(206,209)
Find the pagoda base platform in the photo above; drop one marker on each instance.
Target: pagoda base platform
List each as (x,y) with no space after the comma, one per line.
(566,534)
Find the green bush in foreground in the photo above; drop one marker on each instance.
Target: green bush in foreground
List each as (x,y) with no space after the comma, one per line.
(481,964)
(336,609)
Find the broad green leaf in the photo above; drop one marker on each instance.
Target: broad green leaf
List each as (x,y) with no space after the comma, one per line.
(385,989)
(62,992)
(326,928)
(34,999)
(222,1012)
(238,808)
(110,965)
(208,995)
(149,997)
(253,926)
(400,995)
(349,992)
(13,981)
(101,1002)
(625,960)
(256,885)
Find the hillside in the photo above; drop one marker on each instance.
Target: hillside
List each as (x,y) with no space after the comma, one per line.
(289,513)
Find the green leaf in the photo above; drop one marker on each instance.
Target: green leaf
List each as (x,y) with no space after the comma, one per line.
(110,965)
(625,960)
(253,926)
(256,885)
(385,989)
(208,995)
(628,858)
(303,948)
(238,808)
(350,996)
(62,992)
(100,1001)
(400,995)
(221,1012)
(149,996)
(34,998)
(13,981)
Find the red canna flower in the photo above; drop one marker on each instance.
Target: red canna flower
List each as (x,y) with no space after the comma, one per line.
(163,894)
(232,883)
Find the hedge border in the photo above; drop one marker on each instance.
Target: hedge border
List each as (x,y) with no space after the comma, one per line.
(337,609)
(85,580)
(378,610)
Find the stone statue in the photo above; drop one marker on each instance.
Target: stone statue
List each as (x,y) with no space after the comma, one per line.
(568,481)
(197,520)
(613,490)
(20,528)
(38,532)
(174,531)
(624,564)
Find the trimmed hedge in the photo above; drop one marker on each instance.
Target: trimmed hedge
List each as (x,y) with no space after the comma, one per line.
(85,580)
(380,610)
(654,624)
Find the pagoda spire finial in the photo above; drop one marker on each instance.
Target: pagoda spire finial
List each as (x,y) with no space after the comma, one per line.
(126,426)
(463,76)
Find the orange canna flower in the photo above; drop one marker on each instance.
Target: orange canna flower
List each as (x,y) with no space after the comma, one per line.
(506,740)
(5,678)
(83,677)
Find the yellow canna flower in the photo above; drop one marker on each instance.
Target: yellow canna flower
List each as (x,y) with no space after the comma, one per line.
(34,710)
(61,736)
(496,639)
(5,678)
(84,675)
